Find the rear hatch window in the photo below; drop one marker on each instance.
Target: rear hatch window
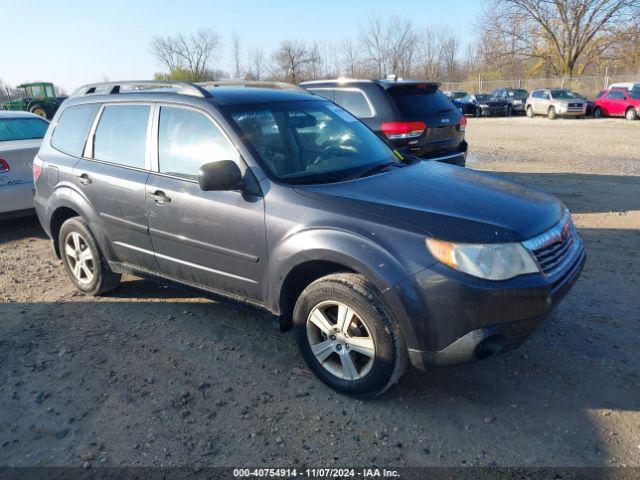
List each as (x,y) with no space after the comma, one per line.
(22,129)
(421,101)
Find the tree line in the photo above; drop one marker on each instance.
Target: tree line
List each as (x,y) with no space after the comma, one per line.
(511,39)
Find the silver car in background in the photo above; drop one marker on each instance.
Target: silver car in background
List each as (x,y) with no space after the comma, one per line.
(21,134)
(556,103)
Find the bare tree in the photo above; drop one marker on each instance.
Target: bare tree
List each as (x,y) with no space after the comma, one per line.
(236,52)
(291,58)
(372,39)
(437,51)
(256,64)
(190,54)
(566,35)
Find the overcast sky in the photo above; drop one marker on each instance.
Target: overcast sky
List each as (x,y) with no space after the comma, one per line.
(72,43)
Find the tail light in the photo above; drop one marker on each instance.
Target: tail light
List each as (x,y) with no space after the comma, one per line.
(463,123)
(4,166)
(402,130)
(38,165)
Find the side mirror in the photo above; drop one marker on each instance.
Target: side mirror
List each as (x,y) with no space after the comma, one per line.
(220,175)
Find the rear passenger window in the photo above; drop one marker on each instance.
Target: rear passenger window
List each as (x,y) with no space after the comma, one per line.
(355,102)
(187,140)
(71,131)
(121,135)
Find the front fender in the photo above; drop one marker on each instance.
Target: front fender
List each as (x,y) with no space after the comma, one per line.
(354,252)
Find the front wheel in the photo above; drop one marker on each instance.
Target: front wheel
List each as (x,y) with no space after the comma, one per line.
(529,112)
(347,337)
(598,113)
(85,265)
(552,113)
(631,114)
(478,112)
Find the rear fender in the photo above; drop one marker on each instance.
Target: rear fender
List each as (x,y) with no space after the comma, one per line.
(67,196)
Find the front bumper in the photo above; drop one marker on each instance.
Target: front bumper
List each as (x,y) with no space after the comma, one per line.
(457,318)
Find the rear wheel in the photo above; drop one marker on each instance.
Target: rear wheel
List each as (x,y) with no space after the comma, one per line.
(529,112)
(347,337)
(85,265)
(552,113)
(39,109)
(631,114)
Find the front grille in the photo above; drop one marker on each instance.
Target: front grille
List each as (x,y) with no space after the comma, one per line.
(575,105)
(556,249)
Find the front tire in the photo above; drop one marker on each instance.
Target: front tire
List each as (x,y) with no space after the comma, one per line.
(347,337)
(552,113)
(598,113)
(529,112)
(84,263)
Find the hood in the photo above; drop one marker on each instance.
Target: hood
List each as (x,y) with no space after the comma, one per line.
(447,202)
(567,101)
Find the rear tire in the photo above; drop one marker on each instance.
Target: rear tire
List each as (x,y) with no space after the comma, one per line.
(82,259)
(552,113)
(530,112)
(631,114)
(377,356)
(40,110)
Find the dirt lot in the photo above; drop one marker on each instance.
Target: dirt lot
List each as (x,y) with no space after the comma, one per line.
(156,376)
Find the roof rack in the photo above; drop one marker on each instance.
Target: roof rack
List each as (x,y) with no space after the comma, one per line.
(111,88)
(250,84)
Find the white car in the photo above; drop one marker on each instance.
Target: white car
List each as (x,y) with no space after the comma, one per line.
(21,134)
(626,85)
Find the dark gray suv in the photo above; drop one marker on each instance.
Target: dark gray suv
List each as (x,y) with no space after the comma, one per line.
(284,201)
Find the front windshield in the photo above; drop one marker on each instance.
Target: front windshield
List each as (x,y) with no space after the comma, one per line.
(310,141)
(564,94)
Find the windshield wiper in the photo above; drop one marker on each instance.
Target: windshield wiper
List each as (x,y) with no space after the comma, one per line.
(378,168)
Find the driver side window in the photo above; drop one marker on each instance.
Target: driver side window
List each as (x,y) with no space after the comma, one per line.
(188,139)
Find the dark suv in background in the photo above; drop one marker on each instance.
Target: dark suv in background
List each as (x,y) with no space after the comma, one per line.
(414,117)
(516,98)
(286,202)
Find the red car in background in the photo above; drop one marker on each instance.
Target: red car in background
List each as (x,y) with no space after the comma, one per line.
(618,102)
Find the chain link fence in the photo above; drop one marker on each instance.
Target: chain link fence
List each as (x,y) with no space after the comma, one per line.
(588,86)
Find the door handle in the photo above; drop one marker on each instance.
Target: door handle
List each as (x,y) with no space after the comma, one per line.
(160,197)
(84,179)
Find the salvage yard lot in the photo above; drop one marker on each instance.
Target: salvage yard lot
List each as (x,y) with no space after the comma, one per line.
(156,376)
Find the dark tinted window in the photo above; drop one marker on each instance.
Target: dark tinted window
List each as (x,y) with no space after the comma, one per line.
(615,96)
(187,140)
(71,131)
(519,93)
(354,101)
(22,129)
(416,102)
(635,94)
(538,94)
(121,135)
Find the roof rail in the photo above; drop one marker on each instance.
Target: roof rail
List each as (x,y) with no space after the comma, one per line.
(250,83)
(111,88)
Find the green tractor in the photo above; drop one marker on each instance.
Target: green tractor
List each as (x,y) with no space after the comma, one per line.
(38,97)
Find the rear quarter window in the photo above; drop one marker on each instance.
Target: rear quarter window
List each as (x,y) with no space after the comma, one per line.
(70,133)
(416,103)
(22,129)
(355,102)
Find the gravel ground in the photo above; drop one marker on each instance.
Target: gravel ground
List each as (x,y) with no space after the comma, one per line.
(155,376)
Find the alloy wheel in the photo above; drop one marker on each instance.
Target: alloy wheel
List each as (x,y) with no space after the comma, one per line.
(79,256)
(341,340)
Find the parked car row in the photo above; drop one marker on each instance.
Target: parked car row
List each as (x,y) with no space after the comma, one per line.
(620,100)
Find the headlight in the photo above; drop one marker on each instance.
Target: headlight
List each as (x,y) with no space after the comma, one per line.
(499,261)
